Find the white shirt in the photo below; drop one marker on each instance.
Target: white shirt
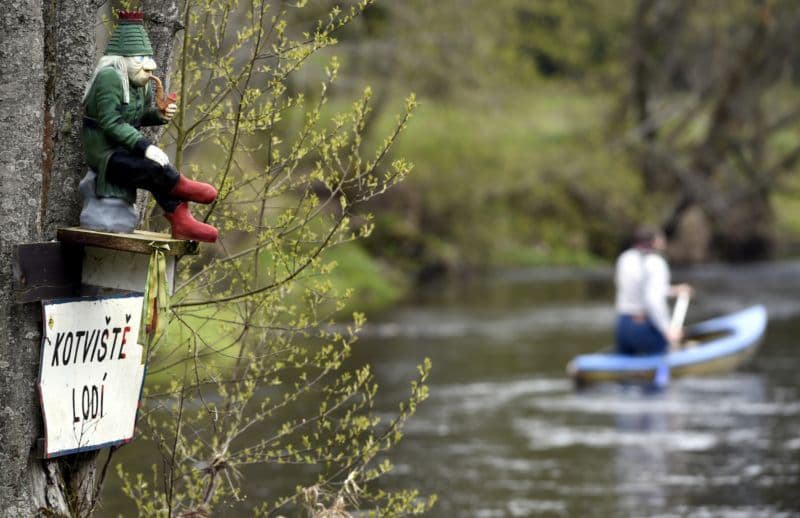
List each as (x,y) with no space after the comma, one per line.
(642,279)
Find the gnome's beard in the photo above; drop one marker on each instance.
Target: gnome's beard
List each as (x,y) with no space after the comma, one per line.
(136,72)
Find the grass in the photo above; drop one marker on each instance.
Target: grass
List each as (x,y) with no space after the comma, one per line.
(497,178)
(375,285)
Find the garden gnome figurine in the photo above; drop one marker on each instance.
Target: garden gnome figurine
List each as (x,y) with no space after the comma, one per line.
(117,102)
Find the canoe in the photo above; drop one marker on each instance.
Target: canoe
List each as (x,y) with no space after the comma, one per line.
(717,345)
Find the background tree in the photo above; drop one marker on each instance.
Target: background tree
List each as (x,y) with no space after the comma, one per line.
(708,97)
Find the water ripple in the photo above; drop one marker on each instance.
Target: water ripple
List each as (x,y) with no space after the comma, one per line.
(510,325)
(543,435)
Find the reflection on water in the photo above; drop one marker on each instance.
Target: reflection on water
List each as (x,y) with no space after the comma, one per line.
(504,434)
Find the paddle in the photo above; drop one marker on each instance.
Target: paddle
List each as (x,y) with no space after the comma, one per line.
(679,312)
(661,379)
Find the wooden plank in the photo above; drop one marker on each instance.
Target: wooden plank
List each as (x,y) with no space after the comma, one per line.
(46,271)
(120,270)
(137,242)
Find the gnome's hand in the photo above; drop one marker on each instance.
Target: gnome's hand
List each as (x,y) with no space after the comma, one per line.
(156,155)
(170,111)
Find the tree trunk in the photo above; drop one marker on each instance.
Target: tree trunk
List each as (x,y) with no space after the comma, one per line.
(749,230)
(690,237)
(47,53)
(162,22)
(22,98)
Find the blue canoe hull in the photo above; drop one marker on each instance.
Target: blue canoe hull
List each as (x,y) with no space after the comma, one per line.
(729,341)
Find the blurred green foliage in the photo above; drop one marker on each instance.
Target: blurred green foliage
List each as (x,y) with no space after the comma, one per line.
(524,173)
(510,144)
(525,142)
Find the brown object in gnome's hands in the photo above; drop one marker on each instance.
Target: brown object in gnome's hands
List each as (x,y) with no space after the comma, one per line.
(161,101)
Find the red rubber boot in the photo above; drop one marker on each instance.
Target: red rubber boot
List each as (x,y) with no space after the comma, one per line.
(190,190)
(184,226)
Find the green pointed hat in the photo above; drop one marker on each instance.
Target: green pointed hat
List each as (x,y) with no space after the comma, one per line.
(129,38)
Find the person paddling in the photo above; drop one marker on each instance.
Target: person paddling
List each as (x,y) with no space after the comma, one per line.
(643,284)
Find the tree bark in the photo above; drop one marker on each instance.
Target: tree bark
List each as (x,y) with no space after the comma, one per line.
(69,62)
(162,22)
(22,96)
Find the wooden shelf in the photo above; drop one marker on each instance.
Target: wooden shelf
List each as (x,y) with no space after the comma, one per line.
(137,242)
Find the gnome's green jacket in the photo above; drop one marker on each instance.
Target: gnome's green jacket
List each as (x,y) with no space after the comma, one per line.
(109,125)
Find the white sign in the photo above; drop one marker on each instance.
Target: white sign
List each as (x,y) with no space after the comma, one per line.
(91,373)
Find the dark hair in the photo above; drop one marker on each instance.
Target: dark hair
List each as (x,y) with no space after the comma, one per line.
(645,235)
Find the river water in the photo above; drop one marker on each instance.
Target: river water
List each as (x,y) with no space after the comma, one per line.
(504,433)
